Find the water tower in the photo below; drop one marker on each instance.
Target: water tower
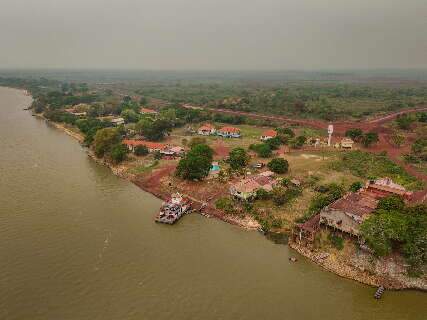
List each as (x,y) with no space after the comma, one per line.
(330,131)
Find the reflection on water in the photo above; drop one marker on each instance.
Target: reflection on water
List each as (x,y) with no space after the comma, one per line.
(76,242)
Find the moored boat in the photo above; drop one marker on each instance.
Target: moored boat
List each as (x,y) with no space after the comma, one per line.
(173,209)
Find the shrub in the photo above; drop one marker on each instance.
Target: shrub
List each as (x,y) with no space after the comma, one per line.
(141,150)
(196,163)
(238,158)
(336,241)
(118,153)
(226,205)
(369,138)
(356,186)
(278,165)
(262,194)
(356,134)
(262,149)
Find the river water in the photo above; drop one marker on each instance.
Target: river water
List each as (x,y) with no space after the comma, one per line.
(76,242)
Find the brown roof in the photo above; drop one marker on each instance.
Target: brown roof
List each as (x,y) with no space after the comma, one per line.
(388,189)
(248,185)
(262,180)
(358,204)
(311,224)
(148,144)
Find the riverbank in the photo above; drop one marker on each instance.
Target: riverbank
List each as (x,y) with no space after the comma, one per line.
(358,269)
(338,267)
(364,268)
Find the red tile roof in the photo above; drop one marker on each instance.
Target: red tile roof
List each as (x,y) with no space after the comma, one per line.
(229,129)
(148,144)
(270,133)
(146,110)
(206,127)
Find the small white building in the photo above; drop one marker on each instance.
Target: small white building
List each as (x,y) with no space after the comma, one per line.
(269,134)
(229,132)
(206,130)
(118,121)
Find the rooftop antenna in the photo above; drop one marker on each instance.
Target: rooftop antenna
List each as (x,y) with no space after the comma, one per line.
(330,131)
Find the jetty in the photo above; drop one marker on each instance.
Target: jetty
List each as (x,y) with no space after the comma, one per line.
(173,209)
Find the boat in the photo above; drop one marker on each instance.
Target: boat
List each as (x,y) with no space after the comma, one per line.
(173,209)
(379,292)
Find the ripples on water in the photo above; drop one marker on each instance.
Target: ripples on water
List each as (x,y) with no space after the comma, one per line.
(76,242)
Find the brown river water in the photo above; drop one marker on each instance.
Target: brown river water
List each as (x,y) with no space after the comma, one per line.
(77,242)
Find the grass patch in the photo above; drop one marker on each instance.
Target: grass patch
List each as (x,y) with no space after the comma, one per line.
(370,166)
(144,168)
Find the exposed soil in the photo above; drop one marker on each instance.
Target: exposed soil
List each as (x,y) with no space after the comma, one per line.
(220,150)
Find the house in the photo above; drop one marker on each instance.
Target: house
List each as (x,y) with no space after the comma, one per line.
(117,121)
(229,132)
(73,111)
(151,146)
(147,111)
(172,151)
(347,213)
(347,143)
(269,134)
(206,130)
(386,187)
(246,189)
(305,233)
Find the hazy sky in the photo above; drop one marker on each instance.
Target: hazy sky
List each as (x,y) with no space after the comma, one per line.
(213,34)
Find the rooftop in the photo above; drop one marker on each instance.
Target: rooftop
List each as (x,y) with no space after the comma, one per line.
(358,204)
(229,129)
(270,133)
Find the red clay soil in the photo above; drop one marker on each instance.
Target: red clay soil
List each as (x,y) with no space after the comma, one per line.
(152,182)
(220,149)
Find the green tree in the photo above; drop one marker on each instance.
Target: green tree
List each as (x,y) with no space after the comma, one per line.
(298,142)
(404,121)
(356,186)
(104,140)
(238,158)
(278,165)
(196,163)
(262,149)
(130,115)
(141,150)
(369,138)
(274,143)
(391,203)
(118,153)
(153,130)
(356,134)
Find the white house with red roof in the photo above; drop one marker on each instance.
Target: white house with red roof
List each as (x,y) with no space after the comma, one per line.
(268,134)
(147,111)
(229,132)
(206,130)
